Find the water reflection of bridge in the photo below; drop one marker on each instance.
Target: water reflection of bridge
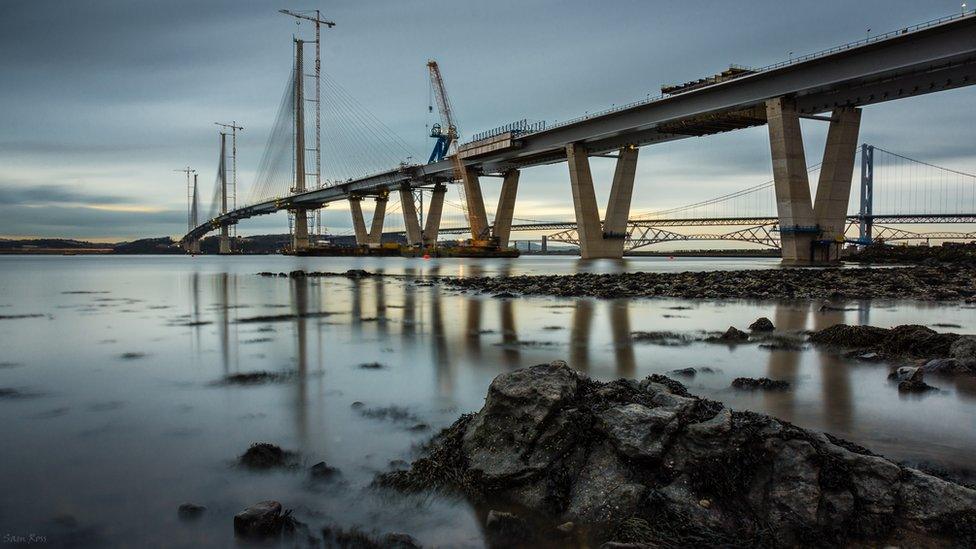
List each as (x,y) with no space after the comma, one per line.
(464,334)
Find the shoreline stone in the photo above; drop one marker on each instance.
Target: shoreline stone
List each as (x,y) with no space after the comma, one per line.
(261,521)
(942,283)
(905,341)
(190,511)
(762,324)
(648,463)
(762,384)
(266,456)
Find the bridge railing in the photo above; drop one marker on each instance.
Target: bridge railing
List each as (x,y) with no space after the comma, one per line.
(867,40)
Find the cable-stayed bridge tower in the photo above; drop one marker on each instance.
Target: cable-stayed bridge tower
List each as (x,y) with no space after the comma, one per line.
(191,203)
(193,246)
(222,176)
(232,191)
(300,240)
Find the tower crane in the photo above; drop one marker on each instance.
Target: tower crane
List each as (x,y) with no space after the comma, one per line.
(446,131)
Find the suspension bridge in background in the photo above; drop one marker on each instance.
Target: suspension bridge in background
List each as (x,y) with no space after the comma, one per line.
(894,190)
(361,158)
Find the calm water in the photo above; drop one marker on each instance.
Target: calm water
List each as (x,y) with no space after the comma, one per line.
(117,417)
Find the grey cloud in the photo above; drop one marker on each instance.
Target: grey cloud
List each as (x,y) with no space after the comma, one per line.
(86,222)
(53,194)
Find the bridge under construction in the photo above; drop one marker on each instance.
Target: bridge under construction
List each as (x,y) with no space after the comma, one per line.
(831,86)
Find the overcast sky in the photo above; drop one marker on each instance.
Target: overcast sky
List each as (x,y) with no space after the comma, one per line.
(101,100)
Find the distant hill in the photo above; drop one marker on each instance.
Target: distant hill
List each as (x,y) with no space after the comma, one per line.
(47,243)
(52,246)
(161,245)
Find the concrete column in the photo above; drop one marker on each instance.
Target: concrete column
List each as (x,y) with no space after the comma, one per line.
(834,187)
(224,240)
(299,240)
(618,207)
(584,201)
(410,220)
(796,220)
(506,208)
(379,215)
(433,222)
(194,246)
(475,202)
(224,246)
(358,224)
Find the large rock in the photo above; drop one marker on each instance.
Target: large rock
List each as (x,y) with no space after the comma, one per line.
(964,350)
(520,430)
(650,464)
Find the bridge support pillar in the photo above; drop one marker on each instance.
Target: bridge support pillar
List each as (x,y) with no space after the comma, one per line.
(834,187)
(506,208)
(475,203)
(358,223)
(410,220)
(379,215)
(224,247)
(618,206)
(433,222)
(595,240)
(299,238)
(797,224)
(811,232)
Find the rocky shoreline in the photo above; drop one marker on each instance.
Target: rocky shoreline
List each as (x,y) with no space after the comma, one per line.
(926,283)
(555,458)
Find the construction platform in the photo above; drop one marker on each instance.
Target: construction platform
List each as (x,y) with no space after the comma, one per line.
(459,251)
(393,250)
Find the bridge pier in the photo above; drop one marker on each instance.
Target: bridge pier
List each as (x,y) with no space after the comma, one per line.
(224,247)
(410,221)
(299,238)
(433,222)
(475,203)
(379,215)
(358,223)
(595,239)
(506,208)
(834,187)
(807,234)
